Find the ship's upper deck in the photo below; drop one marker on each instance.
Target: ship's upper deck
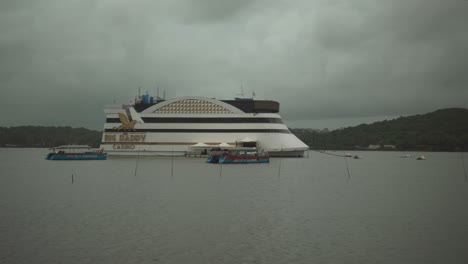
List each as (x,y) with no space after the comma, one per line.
(245,105)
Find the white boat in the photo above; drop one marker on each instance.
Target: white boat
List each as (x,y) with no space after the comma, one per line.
(173,126)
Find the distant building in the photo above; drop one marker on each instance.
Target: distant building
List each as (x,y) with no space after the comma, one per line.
(373,147)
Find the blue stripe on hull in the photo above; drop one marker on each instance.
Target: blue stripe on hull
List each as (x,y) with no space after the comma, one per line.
(77,157)
(212,159)
(262,160)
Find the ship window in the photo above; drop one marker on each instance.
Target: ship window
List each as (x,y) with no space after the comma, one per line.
(249,144)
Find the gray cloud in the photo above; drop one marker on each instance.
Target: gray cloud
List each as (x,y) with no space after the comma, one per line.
(61,61)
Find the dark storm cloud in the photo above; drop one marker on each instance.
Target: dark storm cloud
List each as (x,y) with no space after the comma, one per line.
(61,61)
(390,58)
(206,11)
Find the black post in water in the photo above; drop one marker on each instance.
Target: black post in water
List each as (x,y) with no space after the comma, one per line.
(279,168)
(347,167)
(172,162)
(137,159)
(464,167)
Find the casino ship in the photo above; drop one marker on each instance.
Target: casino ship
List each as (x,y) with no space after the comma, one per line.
(174,126)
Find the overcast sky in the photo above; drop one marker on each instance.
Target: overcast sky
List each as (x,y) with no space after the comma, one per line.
(61,61)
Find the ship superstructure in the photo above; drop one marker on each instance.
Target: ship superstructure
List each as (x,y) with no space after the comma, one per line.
(173,126)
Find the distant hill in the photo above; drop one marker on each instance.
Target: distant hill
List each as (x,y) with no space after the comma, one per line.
(442,130)
(38,136)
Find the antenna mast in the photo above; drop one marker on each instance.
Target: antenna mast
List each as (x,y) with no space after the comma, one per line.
(242,91)
(157,92)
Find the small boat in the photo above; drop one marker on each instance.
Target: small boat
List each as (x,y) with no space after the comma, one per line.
(421,158)
(348,155)
(215,154)
(239,155)
(76,152)
(357,157)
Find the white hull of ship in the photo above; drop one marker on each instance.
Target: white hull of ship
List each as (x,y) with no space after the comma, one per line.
(284,153)
(160,138)
(178,144)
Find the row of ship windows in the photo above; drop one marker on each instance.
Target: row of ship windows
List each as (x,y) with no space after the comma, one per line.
(203,120)
(282,131)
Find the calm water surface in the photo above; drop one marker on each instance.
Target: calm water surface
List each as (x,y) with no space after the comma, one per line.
(391,210)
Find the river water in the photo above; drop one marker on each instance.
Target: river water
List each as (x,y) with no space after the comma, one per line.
(183,210)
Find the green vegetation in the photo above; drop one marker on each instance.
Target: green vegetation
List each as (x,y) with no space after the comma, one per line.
(442,130)
(37,136)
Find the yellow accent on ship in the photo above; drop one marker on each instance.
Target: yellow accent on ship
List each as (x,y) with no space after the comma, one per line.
(126,123)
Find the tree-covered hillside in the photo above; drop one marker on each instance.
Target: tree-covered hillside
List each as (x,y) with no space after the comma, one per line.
(37,136)
(442,130)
